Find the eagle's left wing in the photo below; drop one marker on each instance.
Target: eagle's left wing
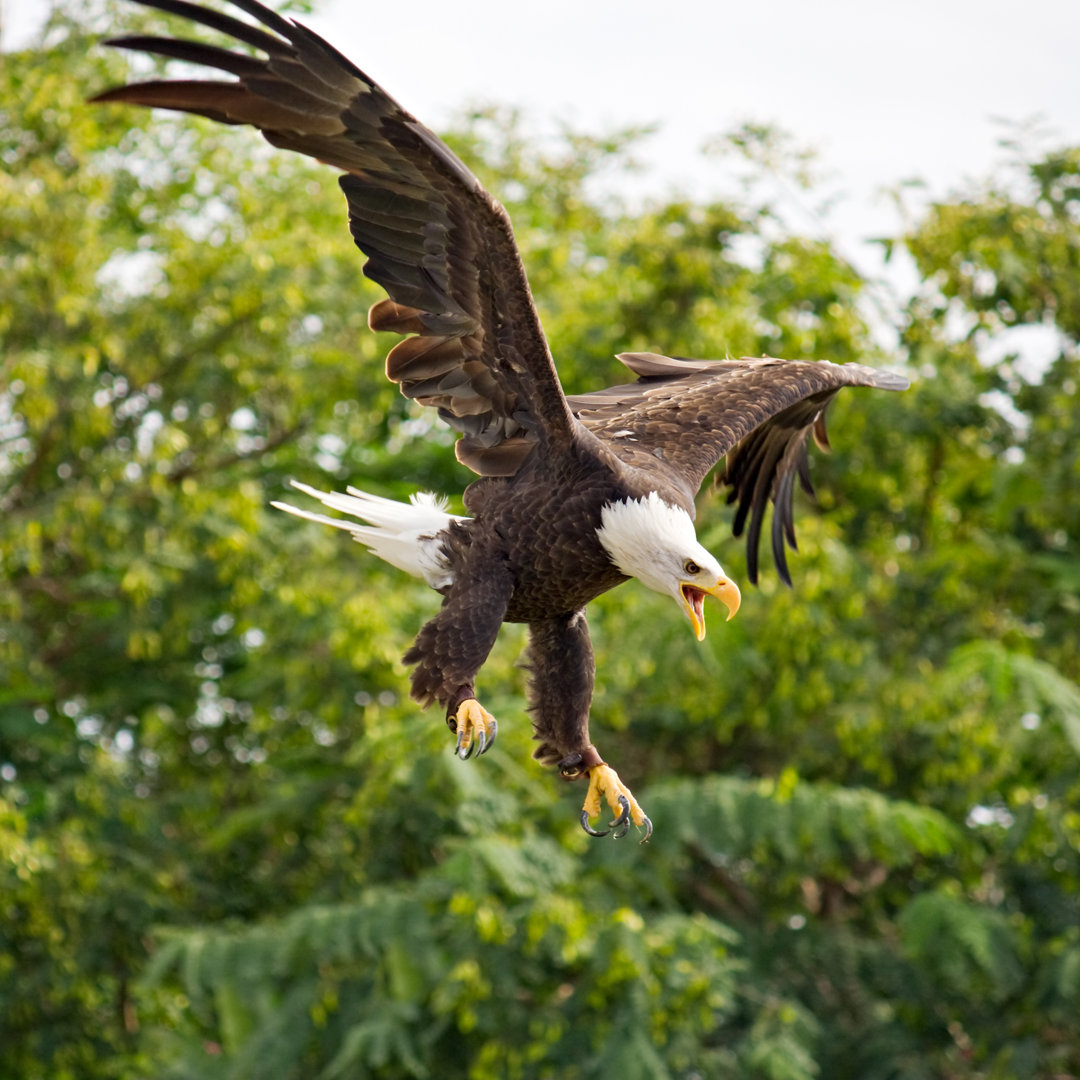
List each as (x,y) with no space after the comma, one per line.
(682,416)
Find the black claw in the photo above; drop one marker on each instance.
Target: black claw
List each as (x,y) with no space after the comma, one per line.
(458,749)
(481,742)
(486,743)
(588,828)
(648,830)
(621,824)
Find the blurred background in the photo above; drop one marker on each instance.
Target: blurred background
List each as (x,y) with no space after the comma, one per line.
(230,846)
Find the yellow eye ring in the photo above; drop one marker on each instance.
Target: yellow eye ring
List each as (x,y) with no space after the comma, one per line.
(691,568)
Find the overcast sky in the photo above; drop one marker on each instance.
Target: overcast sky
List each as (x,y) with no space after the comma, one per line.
(885,90)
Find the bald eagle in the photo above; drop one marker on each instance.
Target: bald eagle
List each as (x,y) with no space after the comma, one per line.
(575,494)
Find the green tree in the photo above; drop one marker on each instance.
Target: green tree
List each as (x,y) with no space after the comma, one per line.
(230,847)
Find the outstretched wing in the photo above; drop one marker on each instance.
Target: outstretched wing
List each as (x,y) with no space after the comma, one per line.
(682,416)
(439,244)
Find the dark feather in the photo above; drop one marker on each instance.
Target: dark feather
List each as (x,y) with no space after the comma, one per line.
(194,52)
(216,20)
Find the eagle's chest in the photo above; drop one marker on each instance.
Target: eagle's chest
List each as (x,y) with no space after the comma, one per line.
(559,577)
(558,562)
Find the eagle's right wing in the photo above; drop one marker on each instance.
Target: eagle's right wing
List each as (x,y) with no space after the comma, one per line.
(439,244)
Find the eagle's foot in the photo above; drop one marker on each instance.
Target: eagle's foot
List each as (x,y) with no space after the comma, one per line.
(604,782)
(476,728)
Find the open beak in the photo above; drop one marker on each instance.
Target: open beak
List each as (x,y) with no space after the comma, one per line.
(693,602)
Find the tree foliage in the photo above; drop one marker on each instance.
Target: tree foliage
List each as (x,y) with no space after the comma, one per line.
(230,846)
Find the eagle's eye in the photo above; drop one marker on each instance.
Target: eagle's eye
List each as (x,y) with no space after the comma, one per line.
(692,569)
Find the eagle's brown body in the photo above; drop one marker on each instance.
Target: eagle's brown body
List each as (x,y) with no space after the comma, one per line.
(516,562)
(567,485)
(554,571)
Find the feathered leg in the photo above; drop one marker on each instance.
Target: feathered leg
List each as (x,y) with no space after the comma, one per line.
(561,671)
(452,647)
(561,665)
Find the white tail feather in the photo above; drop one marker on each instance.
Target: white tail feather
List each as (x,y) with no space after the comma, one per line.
(402,534)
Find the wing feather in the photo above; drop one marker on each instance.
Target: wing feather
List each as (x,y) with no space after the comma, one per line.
(682,416)
(436,241)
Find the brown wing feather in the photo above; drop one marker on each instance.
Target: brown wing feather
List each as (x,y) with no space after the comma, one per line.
(682,416)
(439,244)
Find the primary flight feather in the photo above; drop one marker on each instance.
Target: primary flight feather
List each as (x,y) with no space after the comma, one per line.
(575,495)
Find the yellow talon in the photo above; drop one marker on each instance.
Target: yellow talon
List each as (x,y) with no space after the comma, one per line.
(604,781)
(471,721)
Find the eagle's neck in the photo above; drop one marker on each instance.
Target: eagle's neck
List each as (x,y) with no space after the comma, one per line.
(639,536)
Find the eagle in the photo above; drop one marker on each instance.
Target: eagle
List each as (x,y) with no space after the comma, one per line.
(575,494)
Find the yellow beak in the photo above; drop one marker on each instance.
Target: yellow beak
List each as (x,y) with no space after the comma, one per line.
(693,602)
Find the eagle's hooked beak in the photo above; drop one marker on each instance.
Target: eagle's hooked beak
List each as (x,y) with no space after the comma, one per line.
(693,602)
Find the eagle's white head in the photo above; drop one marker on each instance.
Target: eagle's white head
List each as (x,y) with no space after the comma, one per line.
(654,542)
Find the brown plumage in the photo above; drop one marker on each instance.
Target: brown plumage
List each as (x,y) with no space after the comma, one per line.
(758,413)
(575,495)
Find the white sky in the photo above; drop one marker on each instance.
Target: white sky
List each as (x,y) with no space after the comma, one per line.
(884,90)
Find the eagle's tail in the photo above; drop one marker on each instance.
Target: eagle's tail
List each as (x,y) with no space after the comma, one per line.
(403,534)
